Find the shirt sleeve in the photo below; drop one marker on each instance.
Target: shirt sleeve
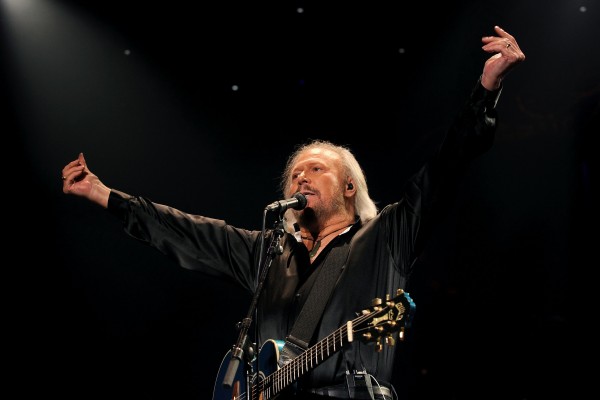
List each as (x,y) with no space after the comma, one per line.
(195,242)
(428,195)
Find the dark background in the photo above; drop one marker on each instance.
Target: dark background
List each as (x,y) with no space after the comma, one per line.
(145,91)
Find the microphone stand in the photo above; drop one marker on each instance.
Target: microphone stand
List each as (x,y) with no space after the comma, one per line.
(242,346)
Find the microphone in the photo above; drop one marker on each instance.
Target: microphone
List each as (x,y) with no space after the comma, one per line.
(297,202)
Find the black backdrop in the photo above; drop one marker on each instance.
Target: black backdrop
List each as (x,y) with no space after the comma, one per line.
(146,92)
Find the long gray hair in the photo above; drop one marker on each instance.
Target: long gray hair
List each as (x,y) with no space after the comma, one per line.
(364,206)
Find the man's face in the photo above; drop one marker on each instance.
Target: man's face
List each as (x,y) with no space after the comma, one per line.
(317,174)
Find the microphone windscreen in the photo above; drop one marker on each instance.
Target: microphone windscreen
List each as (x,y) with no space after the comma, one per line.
(302,201)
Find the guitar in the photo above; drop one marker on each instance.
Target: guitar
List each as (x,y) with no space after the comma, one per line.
(376,324)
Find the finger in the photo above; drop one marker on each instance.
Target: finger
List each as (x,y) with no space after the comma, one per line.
(72,164)
(503,34)
(500,45)
(70,174)
(66,182)
(510,41)
(70,169)
(496,46)
(81,160)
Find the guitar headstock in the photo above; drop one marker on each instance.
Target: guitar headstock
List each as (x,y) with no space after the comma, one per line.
(384,318)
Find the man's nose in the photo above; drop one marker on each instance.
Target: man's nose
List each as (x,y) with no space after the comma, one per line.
(302,178)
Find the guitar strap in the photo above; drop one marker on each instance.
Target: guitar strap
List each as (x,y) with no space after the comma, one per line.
(329,272)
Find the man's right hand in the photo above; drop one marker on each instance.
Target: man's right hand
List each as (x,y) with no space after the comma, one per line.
(80,181)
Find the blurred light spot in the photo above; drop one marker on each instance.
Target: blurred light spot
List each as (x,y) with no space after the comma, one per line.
(401,50)
(301,82)
(299,10)
(20,5)
(235,88)
(583,9)
(127,52)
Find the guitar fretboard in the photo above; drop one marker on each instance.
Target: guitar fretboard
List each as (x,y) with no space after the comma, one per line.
(293,370)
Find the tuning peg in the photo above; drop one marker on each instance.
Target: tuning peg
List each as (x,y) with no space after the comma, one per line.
(376,302)
(389,340)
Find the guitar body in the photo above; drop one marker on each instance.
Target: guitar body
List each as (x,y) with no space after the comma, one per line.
(268,358)
(266,364)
